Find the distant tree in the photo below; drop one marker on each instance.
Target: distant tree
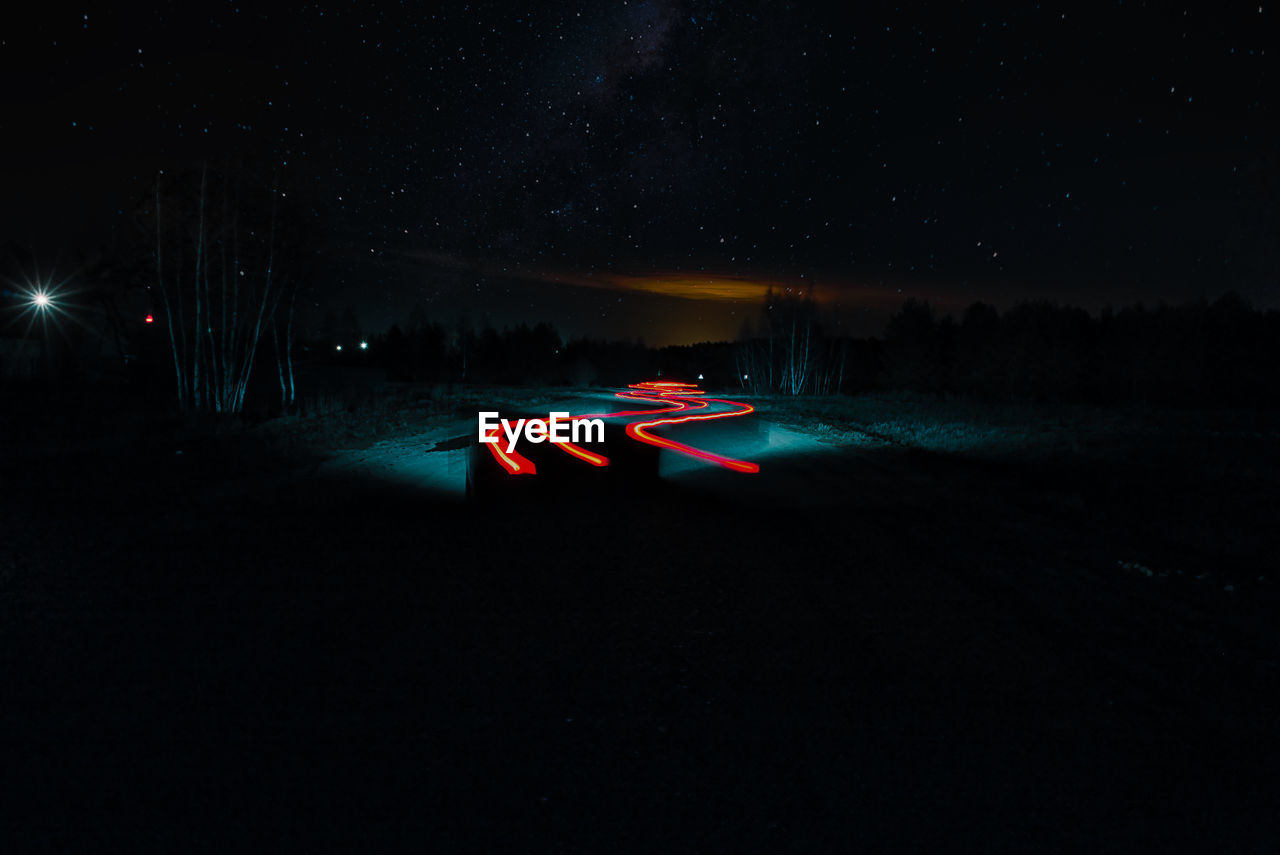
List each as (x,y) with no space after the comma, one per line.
(221,271)
(793,319)
(283,342)
(1223,353)
(791,354)
(912,348)
(979,363)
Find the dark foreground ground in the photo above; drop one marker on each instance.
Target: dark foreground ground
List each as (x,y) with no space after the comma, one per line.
(928,652)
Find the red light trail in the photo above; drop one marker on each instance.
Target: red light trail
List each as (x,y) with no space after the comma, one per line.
(640,430)
(672,397)
(517,464)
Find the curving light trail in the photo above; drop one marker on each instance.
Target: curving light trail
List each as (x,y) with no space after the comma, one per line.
(672,397)
(517,464)
(512,461)
(640,430)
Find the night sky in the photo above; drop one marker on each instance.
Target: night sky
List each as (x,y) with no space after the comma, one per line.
(647,168)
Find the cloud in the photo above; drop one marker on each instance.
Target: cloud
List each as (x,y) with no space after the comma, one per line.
(700,287)
(704,286)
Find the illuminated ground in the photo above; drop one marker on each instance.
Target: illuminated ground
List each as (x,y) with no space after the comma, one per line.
(865,644)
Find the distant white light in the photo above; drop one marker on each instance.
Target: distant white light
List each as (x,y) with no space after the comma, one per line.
(699,376)
(41,300)
(364,345)
(339,348)
(745,377)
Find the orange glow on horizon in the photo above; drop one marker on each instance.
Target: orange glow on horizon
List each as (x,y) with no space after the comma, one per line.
(727,288)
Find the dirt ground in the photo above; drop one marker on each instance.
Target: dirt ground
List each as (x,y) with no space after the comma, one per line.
(922,625)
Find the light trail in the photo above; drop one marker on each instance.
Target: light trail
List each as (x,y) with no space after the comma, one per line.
(671,397)
(640,430)
(514,462)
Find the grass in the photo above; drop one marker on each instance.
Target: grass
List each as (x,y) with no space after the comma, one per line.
(330,423)
(952,425)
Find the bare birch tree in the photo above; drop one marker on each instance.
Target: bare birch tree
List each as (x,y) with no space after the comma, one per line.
(791,356)
(233,287)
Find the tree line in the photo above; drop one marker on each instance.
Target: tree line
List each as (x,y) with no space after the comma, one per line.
(222,258)
(1219,353)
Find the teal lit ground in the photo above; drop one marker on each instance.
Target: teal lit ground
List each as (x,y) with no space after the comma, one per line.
(919,622)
